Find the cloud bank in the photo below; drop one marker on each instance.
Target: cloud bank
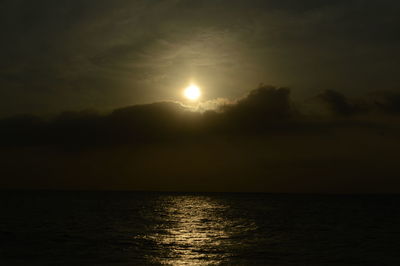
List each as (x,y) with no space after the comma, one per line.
(263,142)
(265,110)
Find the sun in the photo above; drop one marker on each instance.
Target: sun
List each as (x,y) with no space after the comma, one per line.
(192,92)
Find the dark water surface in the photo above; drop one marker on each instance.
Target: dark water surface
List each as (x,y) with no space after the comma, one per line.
(131,228)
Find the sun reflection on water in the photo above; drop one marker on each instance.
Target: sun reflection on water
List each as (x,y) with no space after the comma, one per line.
(191,231)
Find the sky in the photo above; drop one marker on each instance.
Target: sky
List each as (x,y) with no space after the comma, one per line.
(99,54)
(297,96)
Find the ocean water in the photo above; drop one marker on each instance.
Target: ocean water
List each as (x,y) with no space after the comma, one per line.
(132,228)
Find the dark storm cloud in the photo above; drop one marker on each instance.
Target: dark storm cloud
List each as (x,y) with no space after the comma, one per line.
(264,111)
(264,142)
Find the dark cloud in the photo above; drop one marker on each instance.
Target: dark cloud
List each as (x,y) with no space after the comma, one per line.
(265,110)
(384,102)
(264,142)
(337,102)
(266,101)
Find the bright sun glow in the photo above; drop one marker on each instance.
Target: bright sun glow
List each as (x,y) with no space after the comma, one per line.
(192,92)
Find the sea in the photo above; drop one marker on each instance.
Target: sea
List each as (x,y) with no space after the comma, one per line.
(160,228)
